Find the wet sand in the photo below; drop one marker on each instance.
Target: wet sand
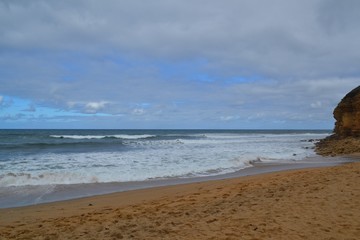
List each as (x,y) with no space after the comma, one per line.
(317,203)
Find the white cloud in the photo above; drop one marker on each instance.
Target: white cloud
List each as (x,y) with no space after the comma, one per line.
(316,104)
(138,111)
(229,118)
(94,107)
(87,107)
(6,102)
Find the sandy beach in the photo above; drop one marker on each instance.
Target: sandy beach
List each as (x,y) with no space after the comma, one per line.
(318,203)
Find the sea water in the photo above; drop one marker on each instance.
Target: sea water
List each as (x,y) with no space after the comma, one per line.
(47,158)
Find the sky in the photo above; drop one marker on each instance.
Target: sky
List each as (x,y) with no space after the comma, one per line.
(231,64)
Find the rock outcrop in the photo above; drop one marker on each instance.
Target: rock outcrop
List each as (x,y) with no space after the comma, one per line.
(333,146)
(346,137)
(347,115)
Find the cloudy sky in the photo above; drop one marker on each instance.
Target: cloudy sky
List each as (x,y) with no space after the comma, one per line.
(176,64)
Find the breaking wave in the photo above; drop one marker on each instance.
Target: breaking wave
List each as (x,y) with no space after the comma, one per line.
(119,136)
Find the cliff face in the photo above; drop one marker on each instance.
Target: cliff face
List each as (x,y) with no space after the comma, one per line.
(347,115)
(346,137)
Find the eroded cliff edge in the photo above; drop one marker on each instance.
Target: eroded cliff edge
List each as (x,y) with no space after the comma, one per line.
(346,137)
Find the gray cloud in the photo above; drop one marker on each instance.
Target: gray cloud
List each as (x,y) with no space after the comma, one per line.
(281,38)
(181,60)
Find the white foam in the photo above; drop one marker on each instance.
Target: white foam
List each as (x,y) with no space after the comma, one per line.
(124,136)
(45,178)
(120,136)
(77,136)
(215,154)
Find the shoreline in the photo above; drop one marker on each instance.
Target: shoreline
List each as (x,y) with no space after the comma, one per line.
(312,203)
(47,193)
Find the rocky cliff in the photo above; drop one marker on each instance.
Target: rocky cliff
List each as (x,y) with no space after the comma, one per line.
(346,137)
(347,115)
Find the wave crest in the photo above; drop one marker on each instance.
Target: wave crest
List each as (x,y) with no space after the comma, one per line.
(119,136)
(46,178)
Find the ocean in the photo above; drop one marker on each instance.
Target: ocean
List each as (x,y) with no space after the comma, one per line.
(34,163)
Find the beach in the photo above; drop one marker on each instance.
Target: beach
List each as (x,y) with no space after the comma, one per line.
(179,120)
(314,203)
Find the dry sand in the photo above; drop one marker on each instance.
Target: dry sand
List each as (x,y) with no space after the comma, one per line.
(321,203)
